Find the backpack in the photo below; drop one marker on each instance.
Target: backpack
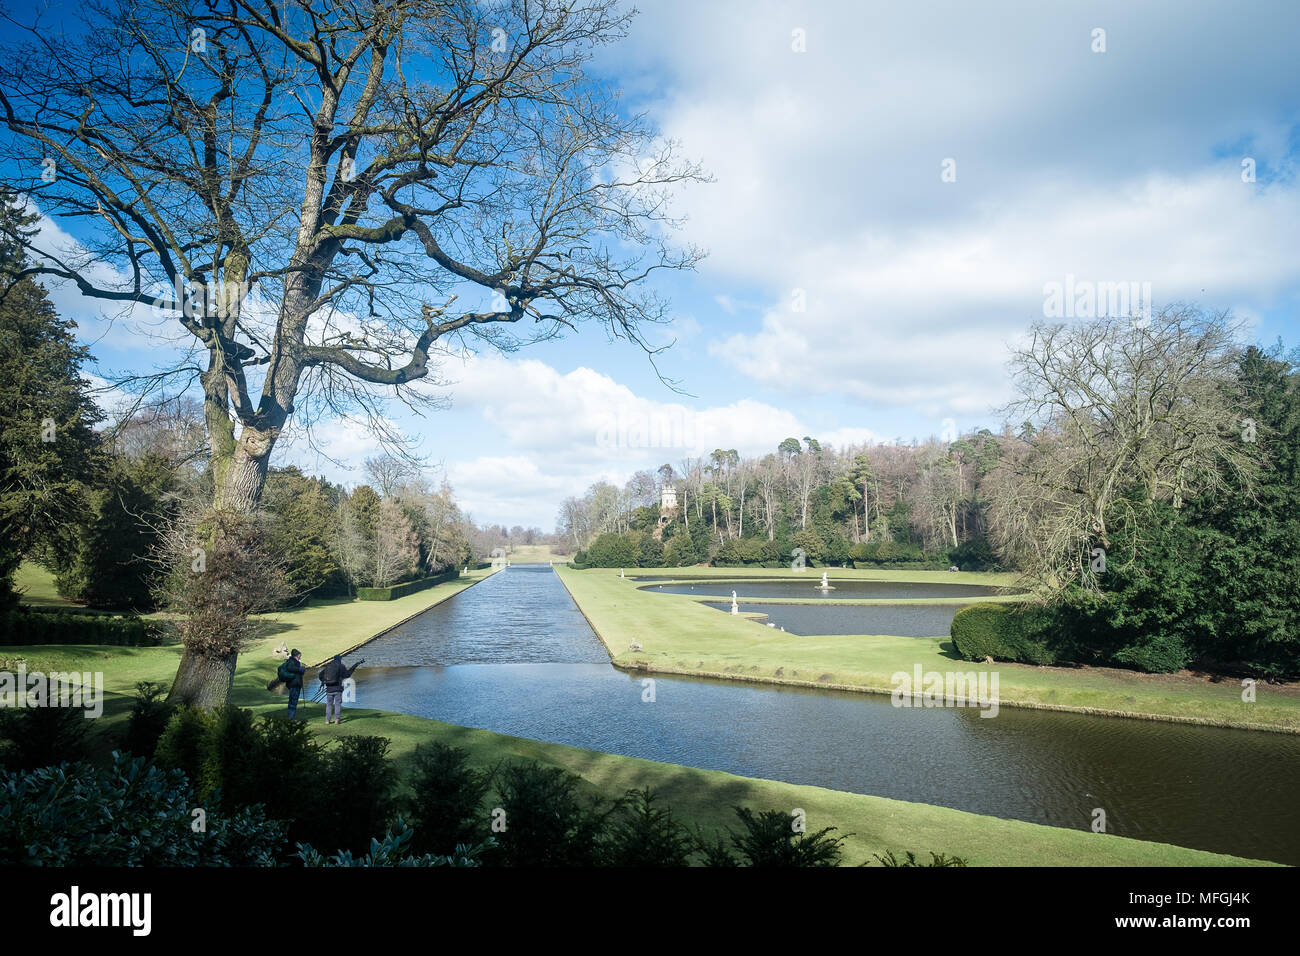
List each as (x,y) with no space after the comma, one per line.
(284,673)
(329,674)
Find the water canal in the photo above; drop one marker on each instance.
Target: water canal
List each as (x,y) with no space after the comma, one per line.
(514,655)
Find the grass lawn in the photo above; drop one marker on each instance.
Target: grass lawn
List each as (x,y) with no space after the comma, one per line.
(697,797)
(534,554)
(679,635)
(36,586)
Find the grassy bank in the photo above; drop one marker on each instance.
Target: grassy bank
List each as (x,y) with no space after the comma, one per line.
(535,554)
(679,635)
(697,797)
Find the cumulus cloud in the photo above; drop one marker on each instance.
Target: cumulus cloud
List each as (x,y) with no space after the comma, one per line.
(889,286)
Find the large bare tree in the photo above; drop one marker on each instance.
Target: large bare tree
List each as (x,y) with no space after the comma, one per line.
(1118,414)
(307,188)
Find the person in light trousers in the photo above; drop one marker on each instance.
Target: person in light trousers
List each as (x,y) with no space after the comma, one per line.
(333,675)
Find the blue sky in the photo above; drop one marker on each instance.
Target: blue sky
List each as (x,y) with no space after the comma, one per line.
(851,293)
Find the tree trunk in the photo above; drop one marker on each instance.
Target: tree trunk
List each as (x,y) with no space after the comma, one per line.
(866,513)
(203,681)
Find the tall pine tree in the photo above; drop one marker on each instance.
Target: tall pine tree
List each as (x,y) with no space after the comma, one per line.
(48,445)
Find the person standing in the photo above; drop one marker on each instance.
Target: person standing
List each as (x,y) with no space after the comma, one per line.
(295,670)
(333,675)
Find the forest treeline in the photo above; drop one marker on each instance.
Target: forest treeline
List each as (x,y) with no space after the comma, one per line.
(872,505)
(1145,485)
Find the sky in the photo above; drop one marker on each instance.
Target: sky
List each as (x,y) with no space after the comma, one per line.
(894,189)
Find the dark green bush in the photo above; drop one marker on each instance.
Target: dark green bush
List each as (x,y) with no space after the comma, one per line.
(32,737)
(232,759)
(643,835)
(130,814)
(410,587)
(184,744)
(770,839)
(357,785)
(446,808)
(397,848)
(289,775)
(23,626)
(614,551)
(547,823)
(1005,632)
(936,859)
(150,713)
(1158,654)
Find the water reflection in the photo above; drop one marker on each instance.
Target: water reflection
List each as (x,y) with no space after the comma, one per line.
(1226,790)
(901,620)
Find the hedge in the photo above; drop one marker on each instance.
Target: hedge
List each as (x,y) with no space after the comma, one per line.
(1005,632)
(23,627)
(410,587)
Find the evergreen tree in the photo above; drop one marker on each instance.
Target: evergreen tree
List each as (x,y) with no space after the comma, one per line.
(48,446)
(112,566)
(1249,589)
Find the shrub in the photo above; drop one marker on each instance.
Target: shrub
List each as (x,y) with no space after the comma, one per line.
(357,784)
(183,745)
(1158,654)
(1006,632)
(130,814)
(43,736)
(149,716)
(651,552)
(410,587)
(231,759)
(546,822)
(396,850)
(289,774)
(769,839)
(613,551)
(936,859)
(814,547)
(23,626)
(641,834)
(447,805)
(974,555)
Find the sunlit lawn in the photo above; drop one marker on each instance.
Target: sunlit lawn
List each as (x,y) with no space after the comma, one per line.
(697,797)
(678,634)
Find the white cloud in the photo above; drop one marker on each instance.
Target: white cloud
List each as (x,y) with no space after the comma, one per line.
(1115,166)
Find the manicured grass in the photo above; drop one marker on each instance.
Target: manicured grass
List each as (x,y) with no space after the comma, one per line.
(679,635)
(535,554)
(36,586)
(697,797)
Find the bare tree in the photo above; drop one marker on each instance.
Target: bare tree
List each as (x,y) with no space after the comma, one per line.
(308,189)
(396,550)
(1119,414)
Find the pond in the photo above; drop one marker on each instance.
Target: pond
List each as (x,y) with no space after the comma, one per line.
(903,620)
(514,655)
(806,589)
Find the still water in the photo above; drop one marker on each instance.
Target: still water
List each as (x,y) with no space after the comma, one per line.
(904,620)
(806,588)
(514,655)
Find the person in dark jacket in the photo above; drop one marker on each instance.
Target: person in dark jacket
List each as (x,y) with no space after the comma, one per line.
(333,675)
(295,668)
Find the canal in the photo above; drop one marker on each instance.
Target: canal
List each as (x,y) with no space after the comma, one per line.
(514,655)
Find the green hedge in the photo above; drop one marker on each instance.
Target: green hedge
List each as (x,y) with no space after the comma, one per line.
(1005,632)
(410,587)
(23,627)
